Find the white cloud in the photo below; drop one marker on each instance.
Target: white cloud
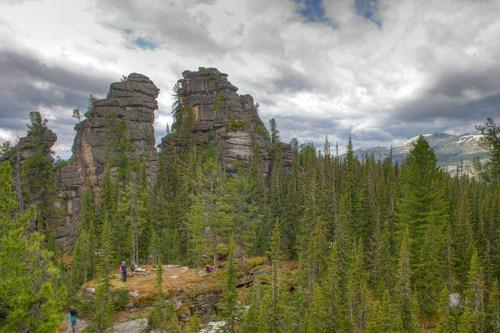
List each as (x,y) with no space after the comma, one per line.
(382,84)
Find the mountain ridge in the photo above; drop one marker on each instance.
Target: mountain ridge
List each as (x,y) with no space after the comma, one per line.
(451,150)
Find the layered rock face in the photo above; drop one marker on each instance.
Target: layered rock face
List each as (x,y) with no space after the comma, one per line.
(221,116)
(132,102)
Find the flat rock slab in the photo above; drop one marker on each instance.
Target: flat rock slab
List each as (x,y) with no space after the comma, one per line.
(132,326)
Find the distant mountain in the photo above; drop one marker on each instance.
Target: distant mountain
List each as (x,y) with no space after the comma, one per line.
(450,150)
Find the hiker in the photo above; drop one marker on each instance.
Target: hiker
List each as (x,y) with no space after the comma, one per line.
(123,270)
(208,268)
(73,315)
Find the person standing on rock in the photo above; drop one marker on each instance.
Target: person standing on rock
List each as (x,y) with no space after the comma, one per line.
(123,270)
(73,315)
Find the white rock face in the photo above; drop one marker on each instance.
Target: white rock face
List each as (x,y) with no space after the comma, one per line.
(132,326)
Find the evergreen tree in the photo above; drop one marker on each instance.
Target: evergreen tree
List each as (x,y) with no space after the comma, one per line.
(276,308)
(474,312)
(230,294)
(491,141)
(316,318)
(103,308)
(334,288)
(30,289)
(446,318)
(383,316)
(404,295)
(493,309)
(85,245)
(422,210)
(357,293)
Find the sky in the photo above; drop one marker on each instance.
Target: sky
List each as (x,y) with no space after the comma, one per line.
(381,71)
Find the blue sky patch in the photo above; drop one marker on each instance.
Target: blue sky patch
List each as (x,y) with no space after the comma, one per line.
(143,43)
(313,11)
(368,9)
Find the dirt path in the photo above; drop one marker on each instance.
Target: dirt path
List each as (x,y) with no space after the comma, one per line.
(81,324)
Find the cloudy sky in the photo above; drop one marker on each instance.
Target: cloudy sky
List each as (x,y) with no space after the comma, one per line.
(382,70)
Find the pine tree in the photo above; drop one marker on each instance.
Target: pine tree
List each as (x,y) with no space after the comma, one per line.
(85,245)
(423,210)
(404,295)
(316,317)
(357,293)
(230,294)
(474,312)
(30,289)
(491,141)
(158,316)
(103,308)
(446,318)
(383,316)
(276,318)
(493,309)
(334,288)
(312,263)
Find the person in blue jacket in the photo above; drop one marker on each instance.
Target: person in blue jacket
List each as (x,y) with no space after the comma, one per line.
(73,315)
(123,270)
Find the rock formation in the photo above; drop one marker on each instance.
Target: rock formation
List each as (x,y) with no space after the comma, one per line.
(228,120)
(30,144)
(219,115)
(131,102)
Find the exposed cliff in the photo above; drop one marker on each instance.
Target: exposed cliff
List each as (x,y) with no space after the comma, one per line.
(131,103)
(217,114)
(221,116)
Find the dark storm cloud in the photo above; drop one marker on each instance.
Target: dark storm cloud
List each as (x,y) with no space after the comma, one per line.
(28,83)
(465,95)
(290,80)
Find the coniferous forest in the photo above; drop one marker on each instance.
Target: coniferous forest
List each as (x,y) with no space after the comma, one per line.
(351,245)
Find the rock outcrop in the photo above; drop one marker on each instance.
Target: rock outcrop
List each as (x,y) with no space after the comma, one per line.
(218,115)
(221,116)
(132,103)
(31,144)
